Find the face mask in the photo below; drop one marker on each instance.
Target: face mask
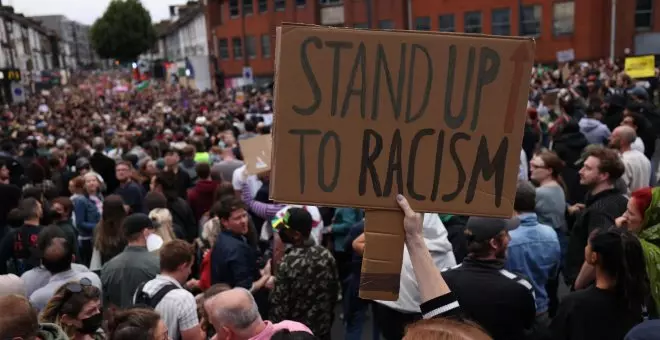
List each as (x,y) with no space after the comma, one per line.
(91,324)
(154,242)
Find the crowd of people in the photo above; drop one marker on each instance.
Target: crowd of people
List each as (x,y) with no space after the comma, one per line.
(131,215)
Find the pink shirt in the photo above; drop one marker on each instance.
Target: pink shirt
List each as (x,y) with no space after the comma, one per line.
(272,328)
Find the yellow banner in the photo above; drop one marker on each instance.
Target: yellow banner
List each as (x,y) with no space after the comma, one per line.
(640,67)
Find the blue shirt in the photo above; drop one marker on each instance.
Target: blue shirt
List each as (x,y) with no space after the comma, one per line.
(534,252)
(233,261)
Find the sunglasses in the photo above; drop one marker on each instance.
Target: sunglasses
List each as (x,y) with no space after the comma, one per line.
(77,287)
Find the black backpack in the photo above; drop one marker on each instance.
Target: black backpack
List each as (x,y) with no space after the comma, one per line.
(26,255)
(143,299)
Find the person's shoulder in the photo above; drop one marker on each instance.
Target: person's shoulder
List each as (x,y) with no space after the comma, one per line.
(293,326)
(516,281)
(96,281)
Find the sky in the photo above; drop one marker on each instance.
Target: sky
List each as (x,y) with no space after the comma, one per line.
(84,11)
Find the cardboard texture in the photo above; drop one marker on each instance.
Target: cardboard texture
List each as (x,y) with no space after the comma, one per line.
(361,116)
(257,153)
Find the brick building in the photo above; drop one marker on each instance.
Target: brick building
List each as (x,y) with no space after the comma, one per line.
(242,32)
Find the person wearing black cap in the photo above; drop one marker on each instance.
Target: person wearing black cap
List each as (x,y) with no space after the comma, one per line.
(306,282)
(122,275)
(498,300)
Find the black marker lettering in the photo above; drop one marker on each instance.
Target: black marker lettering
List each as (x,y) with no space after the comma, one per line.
(301,159)
(485,76)
(459,166)
(311,78)
(367,162)
(321,162)
(427,90)
(440,145)
(361,63)
(450,120)
(414,145)
(337,46)
(487,168)
(394,164)
(396,99)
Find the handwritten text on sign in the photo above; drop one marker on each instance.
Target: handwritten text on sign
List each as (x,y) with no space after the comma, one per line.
(435,117)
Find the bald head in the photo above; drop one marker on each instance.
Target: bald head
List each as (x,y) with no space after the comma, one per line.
(235,310)
(626,134)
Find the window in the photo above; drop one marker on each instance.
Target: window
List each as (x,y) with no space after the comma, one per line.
(530,23)
(300,3)
(251,46)
(472,22)
(446,23)
(643,15)
(563,17)
(386,24)
(280,5)
(501,21)
(330,2)
(233,8)
(361,25)
(265,46)
(263,6)
(423,23)
(248,7)
(237,46)
(223,48)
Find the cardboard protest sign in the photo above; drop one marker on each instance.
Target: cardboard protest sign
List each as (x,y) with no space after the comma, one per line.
(257,153)
(364,115)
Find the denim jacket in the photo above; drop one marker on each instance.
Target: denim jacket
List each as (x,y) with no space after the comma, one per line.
(87,215)
(534,252)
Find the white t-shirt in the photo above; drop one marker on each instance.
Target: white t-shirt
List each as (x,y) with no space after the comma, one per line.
(638,170)
(253,182)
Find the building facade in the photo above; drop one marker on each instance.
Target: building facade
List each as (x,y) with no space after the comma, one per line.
(183,44)
(243,31)
(75,43)
(27,49)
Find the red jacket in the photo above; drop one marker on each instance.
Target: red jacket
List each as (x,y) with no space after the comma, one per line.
(205,271)
(200,197)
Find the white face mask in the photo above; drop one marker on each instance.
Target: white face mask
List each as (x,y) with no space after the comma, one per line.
(154,242)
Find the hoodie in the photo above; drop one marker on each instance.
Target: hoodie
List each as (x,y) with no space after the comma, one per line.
(200,197)
(594,130)
(435,236)
(51,331)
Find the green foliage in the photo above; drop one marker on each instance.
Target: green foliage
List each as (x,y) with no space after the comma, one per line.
(124,31)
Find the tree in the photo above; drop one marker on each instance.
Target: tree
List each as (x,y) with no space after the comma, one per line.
(123,32)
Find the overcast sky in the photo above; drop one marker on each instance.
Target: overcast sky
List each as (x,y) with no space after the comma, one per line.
(85,11)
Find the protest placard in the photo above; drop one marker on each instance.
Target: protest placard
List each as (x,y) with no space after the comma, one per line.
(257,153)
(364,115)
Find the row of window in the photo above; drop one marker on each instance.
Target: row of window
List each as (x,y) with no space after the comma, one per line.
(563,20)
(238,51)
(248,6)
(530,21)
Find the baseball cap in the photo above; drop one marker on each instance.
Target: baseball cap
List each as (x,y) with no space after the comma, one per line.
(135,223)
(639,91)
(298,219)
(480,229)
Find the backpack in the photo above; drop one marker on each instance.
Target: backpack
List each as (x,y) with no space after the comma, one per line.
(143,299)
(26,255)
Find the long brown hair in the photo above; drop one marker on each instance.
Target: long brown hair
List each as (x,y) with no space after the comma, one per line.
(65,302)
(445,329)
(109,236)
(555,165)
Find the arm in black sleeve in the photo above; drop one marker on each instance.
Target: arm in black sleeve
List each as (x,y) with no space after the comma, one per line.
(443,306)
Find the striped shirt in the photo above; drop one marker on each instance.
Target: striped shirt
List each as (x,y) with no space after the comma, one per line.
(178,308)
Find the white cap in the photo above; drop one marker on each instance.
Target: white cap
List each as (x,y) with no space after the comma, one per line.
(201,120)
(61,143)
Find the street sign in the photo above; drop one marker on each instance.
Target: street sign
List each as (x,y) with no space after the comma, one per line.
(17,93)
(248,76)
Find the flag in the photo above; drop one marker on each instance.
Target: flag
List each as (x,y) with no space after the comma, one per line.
(141,86)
